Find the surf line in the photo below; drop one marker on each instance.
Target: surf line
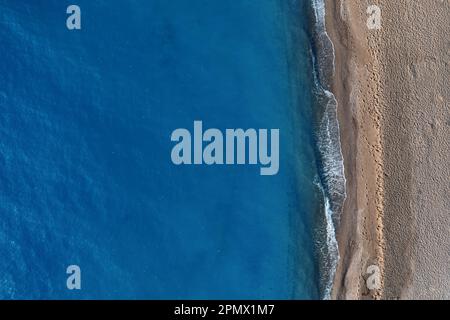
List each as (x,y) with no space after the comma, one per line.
(235,146)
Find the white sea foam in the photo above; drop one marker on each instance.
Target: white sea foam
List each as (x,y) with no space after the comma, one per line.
(332,180)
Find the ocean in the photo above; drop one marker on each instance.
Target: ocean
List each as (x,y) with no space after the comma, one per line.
(86,176)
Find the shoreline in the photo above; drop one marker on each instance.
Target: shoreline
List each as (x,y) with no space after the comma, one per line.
(356,86)
(332,180)
(392,91)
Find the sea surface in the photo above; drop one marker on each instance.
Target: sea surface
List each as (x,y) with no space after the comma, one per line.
(86,176)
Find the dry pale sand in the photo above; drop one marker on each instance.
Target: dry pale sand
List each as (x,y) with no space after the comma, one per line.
(392,86)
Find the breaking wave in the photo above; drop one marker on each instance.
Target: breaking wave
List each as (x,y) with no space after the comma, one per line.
(331,181)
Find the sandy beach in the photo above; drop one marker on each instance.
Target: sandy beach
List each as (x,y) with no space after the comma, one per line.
(392,88)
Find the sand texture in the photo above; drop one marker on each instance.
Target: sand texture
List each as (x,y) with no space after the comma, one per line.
(394,112)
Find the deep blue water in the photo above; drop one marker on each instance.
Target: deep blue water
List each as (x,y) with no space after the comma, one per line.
(85,171)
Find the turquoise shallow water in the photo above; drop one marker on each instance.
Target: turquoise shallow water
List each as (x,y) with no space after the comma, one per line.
(85,169)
